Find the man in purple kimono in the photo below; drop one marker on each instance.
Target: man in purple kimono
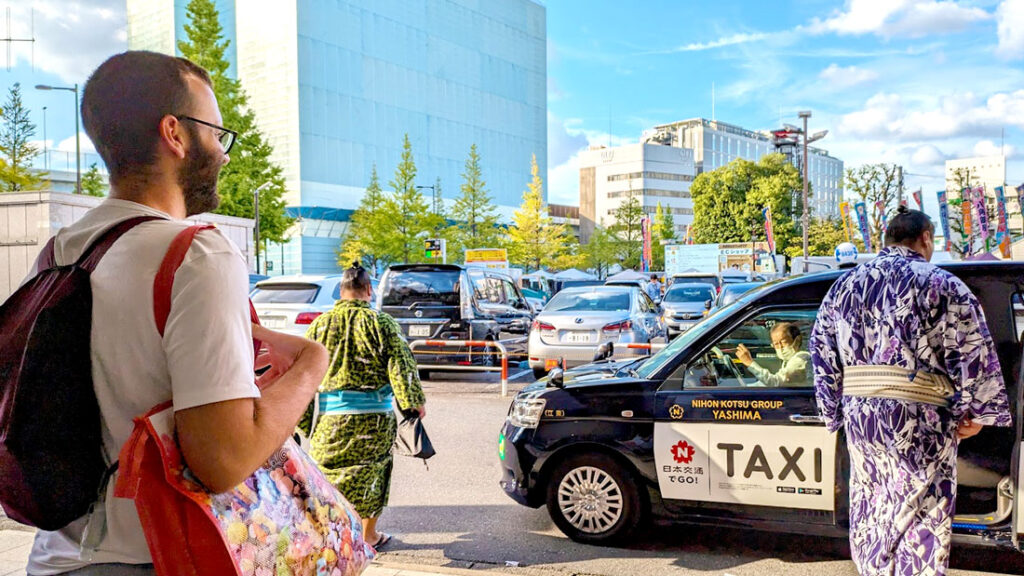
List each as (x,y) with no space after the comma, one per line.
(904,361)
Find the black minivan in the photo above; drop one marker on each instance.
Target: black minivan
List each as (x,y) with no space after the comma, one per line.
(449,302)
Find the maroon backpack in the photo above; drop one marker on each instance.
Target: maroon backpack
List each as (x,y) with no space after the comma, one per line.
(52,464)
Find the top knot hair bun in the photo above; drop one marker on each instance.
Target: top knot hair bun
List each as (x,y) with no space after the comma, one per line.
(903,209)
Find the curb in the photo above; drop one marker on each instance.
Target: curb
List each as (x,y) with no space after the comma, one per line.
(402,562)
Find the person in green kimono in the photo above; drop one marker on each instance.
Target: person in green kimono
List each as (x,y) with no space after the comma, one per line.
(351,423)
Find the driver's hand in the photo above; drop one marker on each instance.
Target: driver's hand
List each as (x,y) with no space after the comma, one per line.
(967,428)
(744,355)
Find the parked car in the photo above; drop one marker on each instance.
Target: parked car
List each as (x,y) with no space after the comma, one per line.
(687,435)
(731,292)
(705,277)
(578,320)
(563,284)
(291,303)
(254,279)
(684,305)
(448,302)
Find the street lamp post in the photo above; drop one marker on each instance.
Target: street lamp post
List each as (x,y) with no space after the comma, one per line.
(78,147)
(46,153)
(805,114)
(256,210)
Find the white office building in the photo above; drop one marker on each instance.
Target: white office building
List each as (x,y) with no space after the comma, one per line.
(714,144)
(987,171)
(650,172)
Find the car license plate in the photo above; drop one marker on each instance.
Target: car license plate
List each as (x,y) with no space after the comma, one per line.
(273,322)
(419,330)
(578,338)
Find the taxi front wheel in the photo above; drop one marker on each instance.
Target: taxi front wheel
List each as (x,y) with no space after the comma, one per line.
(593,499)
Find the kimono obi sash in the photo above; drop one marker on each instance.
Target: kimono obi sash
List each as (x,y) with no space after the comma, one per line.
(342,402)
(875,381)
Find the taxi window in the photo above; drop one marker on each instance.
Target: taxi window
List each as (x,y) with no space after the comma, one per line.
(769,350)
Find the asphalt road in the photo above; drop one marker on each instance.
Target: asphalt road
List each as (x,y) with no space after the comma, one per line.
(455,514)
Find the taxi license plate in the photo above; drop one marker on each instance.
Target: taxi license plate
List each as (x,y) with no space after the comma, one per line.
(582,338)
(273,322)
(419,330)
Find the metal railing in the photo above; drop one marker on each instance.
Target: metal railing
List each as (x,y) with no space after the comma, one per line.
(653,347)
(467,344)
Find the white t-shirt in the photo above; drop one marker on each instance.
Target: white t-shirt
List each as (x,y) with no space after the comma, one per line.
(205,356)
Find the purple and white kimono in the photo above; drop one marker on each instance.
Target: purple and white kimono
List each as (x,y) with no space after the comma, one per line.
(899,310)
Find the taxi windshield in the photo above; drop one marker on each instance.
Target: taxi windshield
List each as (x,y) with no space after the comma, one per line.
(658,361)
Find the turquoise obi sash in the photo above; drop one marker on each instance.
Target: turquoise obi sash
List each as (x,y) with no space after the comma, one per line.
(343,402)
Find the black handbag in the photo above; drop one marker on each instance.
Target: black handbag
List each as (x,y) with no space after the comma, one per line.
(412,439)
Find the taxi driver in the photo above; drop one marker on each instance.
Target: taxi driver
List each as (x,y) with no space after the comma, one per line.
(786,340)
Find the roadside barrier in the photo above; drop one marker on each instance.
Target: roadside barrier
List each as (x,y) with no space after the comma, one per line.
(647,346)
(467,344)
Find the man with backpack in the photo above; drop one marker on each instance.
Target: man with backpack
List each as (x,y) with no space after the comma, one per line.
(155,121)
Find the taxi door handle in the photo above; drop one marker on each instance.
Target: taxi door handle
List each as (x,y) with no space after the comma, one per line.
(805,419)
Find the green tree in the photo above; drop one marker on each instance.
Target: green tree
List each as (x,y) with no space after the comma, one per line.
(627,228)
(474,213)
(602,251)
(16,148)
(871,184)
(663,232)
(534,240)
(727,203)
(406,214)
(366,238)
(251,165)
(93,182)
(824,234)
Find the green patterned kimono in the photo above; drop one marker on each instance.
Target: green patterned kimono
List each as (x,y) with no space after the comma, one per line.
(367,354)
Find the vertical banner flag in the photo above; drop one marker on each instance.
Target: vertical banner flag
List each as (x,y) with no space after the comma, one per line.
(844,213)
(979,205)
(1002,226)
(769,229)
(645,233)
(966,211)
(918,199)
(882,220)
(904,203)
(944,216)
(1020,199)
(862,219)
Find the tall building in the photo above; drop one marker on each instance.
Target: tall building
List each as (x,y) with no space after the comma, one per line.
(987,171)
(335,84)
(652,173)
(715,144)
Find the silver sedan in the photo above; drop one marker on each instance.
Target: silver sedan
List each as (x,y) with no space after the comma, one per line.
(578,320)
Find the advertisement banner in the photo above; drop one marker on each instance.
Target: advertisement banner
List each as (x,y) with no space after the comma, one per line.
(883,221)
(1002,226)
(844,214)
(1020,199)
(918,199)
(769,230)
(968,223)
(979,206)
(487,257)
(862,219)
(645,252)
(944,216)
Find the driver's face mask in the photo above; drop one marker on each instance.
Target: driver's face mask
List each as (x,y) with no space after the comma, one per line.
(785,353)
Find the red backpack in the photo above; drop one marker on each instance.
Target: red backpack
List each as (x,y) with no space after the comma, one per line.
(52,464)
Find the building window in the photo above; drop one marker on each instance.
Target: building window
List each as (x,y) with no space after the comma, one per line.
(652,175)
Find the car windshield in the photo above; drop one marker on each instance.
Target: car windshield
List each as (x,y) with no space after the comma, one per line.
(687,294)
(408,287)
(604,301)
(652,365)
(285,293)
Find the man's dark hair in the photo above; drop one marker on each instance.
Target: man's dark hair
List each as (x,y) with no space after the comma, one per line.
(907,226)
(124,100)
(355,279)
(654,277)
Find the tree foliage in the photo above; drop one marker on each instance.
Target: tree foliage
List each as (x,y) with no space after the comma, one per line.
(16,147)
(406,214)
(663,232)
(727,203)
(627,229)
(474,213)
(366,239)
(601,252)
(251,165)
(534,240)
(93,182)
(871,184)
(824,234)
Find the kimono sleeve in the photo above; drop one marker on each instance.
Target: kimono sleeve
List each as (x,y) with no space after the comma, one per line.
(971,360)
(828,369)
(401,366)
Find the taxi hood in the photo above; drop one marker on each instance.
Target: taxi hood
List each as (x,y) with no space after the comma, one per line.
(589,375)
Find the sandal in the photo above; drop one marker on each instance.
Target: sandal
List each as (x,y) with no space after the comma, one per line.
(382,541)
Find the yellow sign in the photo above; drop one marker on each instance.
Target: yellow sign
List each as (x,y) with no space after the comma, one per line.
(676,412)
(486,255)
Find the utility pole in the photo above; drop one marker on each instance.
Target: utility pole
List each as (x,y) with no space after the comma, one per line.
(804,219)
(899,186)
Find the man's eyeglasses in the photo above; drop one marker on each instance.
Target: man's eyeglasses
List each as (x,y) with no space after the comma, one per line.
(225,136)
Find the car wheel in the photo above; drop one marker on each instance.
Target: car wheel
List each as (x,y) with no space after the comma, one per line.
(424,375)
(490,357)
(594,500)
(539,373)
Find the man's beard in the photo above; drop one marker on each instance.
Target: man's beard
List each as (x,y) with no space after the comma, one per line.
(198,179)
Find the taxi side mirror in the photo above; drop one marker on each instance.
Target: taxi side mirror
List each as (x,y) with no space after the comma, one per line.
(557,378)
(604,351)
(707,304)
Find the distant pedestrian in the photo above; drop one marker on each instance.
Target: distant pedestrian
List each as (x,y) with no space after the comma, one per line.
(353,423)
(155,122)
(653,288)
(904,361)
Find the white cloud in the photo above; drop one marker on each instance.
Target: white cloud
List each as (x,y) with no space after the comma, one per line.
(890,116)
(899,18)
(741,38)
(566,140)
(846,77)
(1010,27)
(72,38)
(990,148)
(561,144)
(928,155)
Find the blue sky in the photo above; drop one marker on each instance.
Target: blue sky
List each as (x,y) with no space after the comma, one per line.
(912,82)
(906,81)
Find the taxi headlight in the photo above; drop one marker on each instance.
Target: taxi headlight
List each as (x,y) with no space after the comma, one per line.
(526,412)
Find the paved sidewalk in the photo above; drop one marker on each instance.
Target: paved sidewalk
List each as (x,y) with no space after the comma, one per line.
(15,546)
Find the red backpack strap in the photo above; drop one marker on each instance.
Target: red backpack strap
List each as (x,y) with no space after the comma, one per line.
(164,281)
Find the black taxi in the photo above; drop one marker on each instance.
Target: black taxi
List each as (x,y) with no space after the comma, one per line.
(689,434)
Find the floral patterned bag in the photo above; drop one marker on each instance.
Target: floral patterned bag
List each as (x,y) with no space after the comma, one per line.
(286,518)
